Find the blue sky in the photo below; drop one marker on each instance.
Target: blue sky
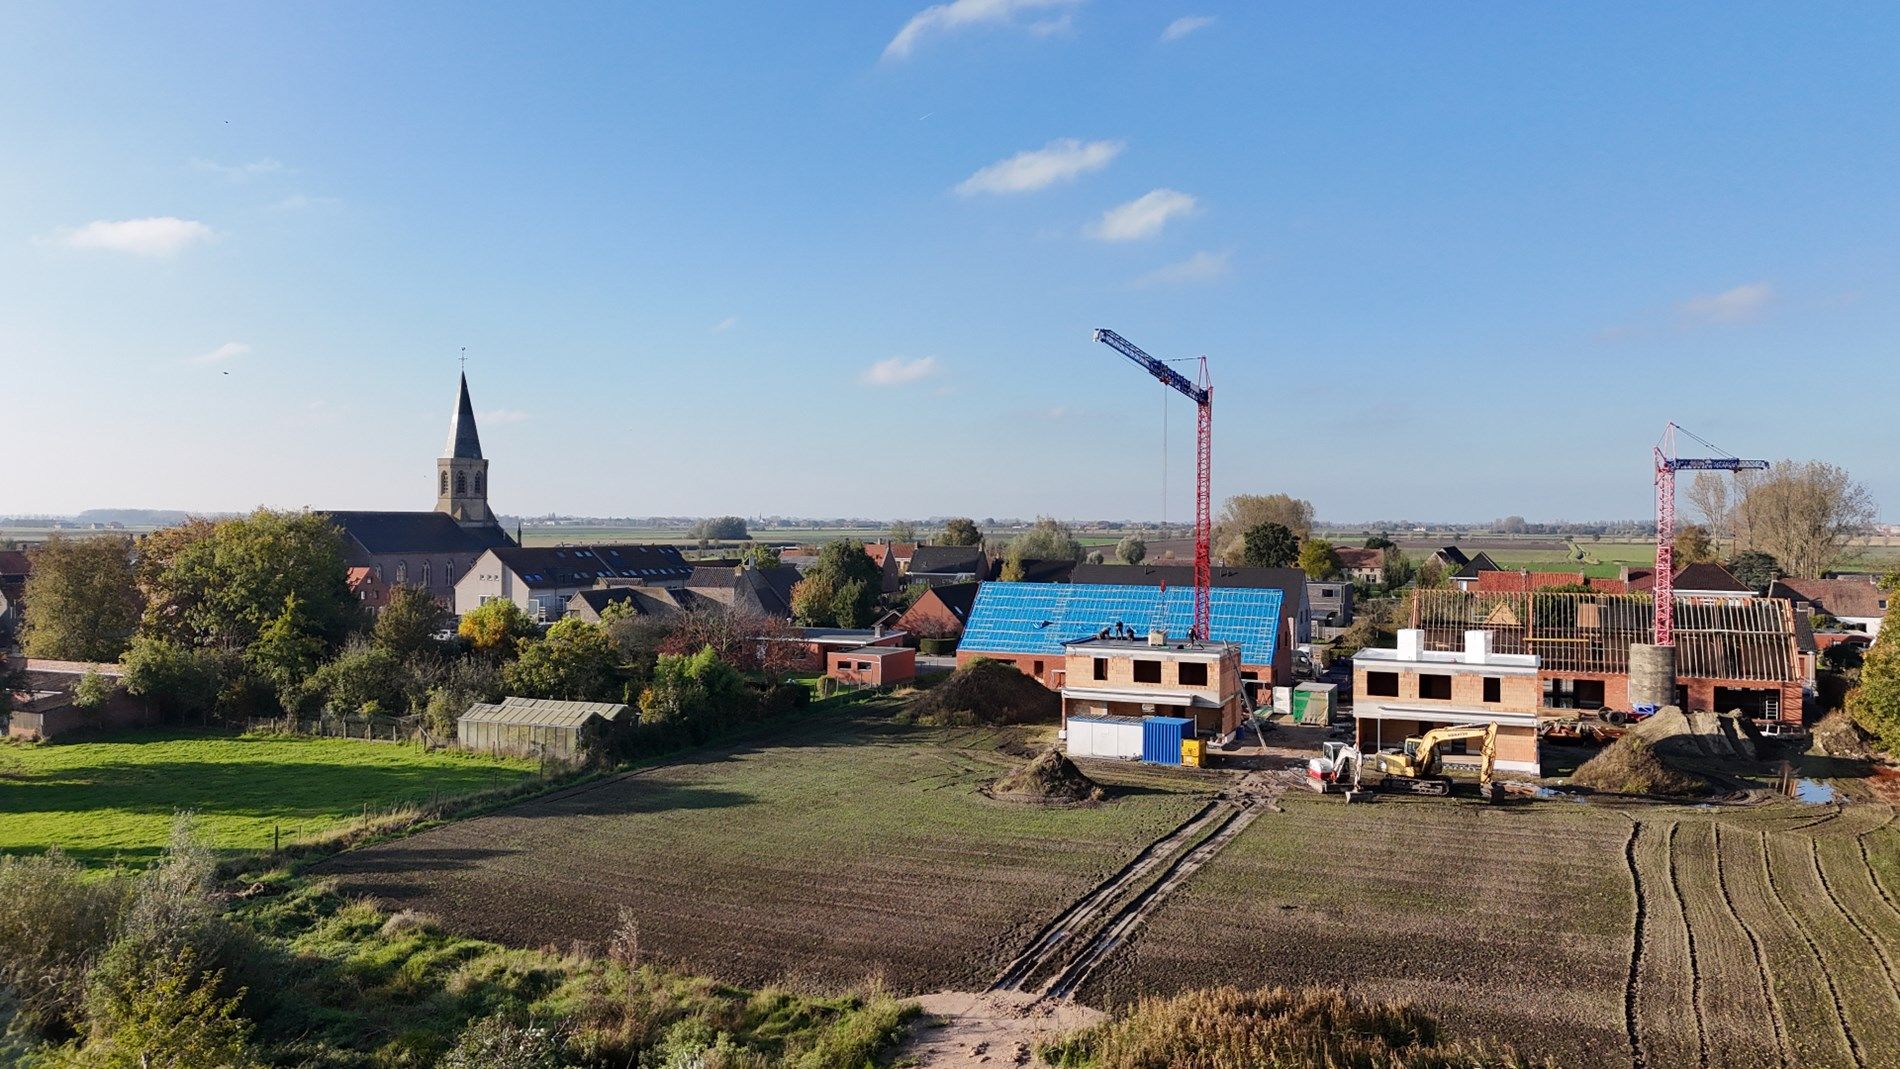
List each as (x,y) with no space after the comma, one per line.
(1446,262)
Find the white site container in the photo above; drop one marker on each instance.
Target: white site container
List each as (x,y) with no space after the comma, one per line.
(1118,737)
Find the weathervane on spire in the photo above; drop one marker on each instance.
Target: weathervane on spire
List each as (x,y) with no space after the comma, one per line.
(464,359)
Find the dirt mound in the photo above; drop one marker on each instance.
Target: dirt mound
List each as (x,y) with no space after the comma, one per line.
(1051,777)
(1836,735)
(1631,765)
(988,692)
(1683,736)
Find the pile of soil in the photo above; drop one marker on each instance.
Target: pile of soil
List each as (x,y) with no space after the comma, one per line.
(1051,777)
(1631,765)
(1701,736)
(1836,735)
(988,692)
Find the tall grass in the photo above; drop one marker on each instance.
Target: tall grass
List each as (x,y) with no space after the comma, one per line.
(1271,1028)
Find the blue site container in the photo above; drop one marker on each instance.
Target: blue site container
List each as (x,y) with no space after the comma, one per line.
(1161,738)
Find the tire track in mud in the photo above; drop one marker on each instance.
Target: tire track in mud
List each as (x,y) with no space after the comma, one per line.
(1695,965)
(1048,943)
(1754,943)
(1131,916)
(1801,928)
(1886,963)
(1873,874)
(1636,949)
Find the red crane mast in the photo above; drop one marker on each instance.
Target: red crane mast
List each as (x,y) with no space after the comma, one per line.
(1202,394)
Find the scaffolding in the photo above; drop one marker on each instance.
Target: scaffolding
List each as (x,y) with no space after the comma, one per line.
(1749,639)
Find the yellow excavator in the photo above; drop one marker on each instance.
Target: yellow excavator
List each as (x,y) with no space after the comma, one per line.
(1418,768)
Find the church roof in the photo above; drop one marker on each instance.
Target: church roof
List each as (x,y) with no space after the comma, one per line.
(417,532)
(464,443)
(542,567)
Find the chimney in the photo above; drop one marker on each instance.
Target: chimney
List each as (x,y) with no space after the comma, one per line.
(877,630)
(1477,647)
(1411,644)
(1157,638)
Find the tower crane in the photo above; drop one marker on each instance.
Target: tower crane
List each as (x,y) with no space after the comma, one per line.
(1667,465)
(1202,394)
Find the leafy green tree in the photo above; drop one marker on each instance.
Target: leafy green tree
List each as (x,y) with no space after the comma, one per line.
(1693,545)
(1095,556)
(841,589)
(1241,512)
(1755,569)
(176,679)
(496,628)
(1132,549)
(286,652)
(1875,704)
(721,529)
(93,690)
(903,531)
(367,677)
(466,681)
(1396,570)
(1011,571)
(696,691)
(408,623)
(1318,559)
(762,557)
(172,590)
(1380,541)
(575,661)
(1269,545)
(1805,514)
(961,531)
(230,586)
(1047,539)
(82,601)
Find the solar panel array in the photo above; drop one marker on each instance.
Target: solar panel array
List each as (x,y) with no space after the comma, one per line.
(1040,617)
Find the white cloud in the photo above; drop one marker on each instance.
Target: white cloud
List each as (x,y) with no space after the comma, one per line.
(502,415)
(1185,25)
(960,14)
(725,324)
(1738,305)
(230,350)
(1055,414)
(897,371)
(1144,216)
(239,172)
(1061,160)
(160,236)
(1200,267)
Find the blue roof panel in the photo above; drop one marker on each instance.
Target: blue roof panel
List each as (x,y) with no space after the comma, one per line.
(1040,617)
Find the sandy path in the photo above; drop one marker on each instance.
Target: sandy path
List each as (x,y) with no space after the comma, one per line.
(967,1029)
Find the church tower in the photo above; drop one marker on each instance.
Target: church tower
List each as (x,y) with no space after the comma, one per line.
(461,474)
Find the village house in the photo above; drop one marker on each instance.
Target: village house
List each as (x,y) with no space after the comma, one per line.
(936,565)
(541,579)
(1405,692)
(1123,675)
(1857,603)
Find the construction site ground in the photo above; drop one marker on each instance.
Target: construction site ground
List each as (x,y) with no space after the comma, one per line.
(855,850)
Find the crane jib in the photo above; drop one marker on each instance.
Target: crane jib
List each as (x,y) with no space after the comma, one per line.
(1716,464)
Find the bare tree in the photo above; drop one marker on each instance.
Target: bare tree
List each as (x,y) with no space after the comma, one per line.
(1709,496)
(1804,515)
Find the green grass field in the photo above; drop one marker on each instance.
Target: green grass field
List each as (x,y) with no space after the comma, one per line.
(113,800)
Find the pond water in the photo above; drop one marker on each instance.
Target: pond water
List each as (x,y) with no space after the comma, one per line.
(1813,791)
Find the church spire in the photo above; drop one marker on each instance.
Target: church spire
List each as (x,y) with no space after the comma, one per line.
(464,443)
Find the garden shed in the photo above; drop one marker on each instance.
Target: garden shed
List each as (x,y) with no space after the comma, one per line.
(539,727)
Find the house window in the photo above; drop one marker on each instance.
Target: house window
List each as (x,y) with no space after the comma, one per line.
(1193,674)
(1589,694)
(1101,668)
(1382,684)
(1493,690)
(1435,687)
(1038,669)
(402,572)
(1147,671)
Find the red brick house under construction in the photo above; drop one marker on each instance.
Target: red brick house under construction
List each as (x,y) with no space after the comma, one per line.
(1730,653)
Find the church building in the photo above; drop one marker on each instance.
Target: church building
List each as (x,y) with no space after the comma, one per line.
(433,550)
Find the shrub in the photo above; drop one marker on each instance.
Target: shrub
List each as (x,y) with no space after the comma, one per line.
(500,1043)
(53,924)
(164,1013)
(93,690)
(1307,1029)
